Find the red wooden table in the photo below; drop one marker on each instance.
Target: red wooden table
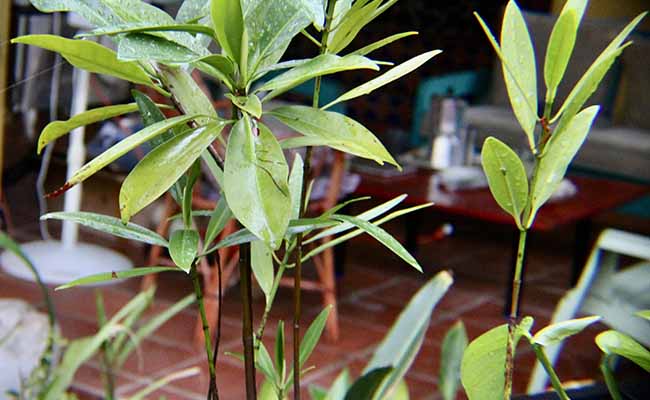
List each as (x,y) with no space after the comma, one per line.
(593,197)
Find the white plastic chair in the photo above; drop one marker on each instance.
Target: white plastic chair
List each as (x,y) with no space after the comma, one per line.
(607,290)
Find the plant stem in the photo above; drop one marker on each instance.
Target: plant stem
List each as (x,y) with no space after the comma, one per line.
(206,329)
(217,338)
(247,315)
(610,380)
(555,380)
(514,311)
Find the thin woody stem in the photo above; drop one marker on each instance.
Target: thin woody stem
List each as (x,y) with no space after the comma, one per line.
(206,329)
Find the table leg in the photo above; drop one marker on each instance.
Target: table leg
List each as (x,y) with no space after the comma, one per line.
(581,246)
(513,261)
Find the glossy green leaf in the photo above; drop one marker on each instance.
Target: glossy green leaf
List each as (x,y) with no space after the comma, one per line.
(402,342)
(358,15)
(381,43)
(192,175)
(366,216)
(264,363)
(262,265)
(453,347)
(270,26)
(143,28)
(383,237)
(110,225)
(323,64)
(558,51)
(645,314)
(255,182)
(56,129)
(183,248)
(613,342)
(589,82)
(250,104)
(295,185)
(340,386)
(316,11)
(90,56)
(367,386)
(554,334)
(312,335)
(193,10)
(280,362)
(164,381)
(506,177)
(519,71)
(162,167)
(560,150)
(386,78)
(94,12)
(228,22)
(334,130)
(138,46)
(218,220)
(123,147)
(222,63)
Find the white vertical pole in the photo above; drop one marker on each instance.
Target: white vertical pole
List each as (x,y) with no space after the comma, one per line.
(76,156)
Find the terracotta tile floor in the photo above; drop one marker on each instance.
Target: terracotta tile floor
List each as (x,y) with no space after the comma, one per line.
(372,291)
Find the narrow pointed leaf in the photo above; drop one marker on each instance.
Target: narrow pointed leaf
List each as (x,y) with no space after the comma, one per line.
(228,22)
(262,266)
(280,363)
(360,14)
(111,225)
(402,342)
(559,49)
(453,347)
(295,185)
(142,28)
(323,64)
(645,314)
(560,150)
(183,248)
(111,276)
(506,177)
(164,381)
(613,342)
(594,75)
(162,167)
(381,43)
(264,363)
(255,182)
(340,386)
(312,335)
(388,77)
(251,104)
(56,129)
(334,130)
(123,147)
(367,386)
(90,56)
(554,334)
(518,53)
(218,220)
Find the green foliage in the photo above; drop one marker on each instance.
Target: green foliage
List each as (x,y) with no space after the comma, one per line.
(556,333)
(183,248)
(613,342)
(109,276)
(451,357)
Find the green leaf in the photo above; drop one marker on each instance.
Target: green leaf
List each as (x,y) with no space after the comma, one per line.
(367,386)
(351,18)
(560,150)
(340,386)
(255,182)
(90,56)
(164,381)
(316,11)
(162,167)
(223,64)
(264,363)
(558,51)
(312,335)
(56,129)
(554,334)
(334,130)
(123,147)
(381,43)
(366,216)
(506,177)
(645,314)
(251,104)
(228,22)
(262,265)
(110,225)
(519,72)
(383,237)
(386,78)
(218,220)
(183,248)
(402,343)
(295,185)
(109,276)
(280,362)
(193,10)
(453,347)
(137,46)
(613,342)
(143,28)
(323,64)
(317,393)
